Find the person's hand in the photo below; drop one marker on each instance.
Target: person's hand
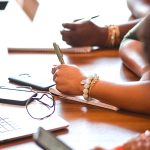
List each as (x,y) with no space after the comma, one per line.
(68,78)
(142,142)
(84,34)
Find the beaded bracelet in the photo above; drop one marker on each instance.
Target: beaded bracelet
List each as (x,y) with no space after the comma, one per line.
(87,83)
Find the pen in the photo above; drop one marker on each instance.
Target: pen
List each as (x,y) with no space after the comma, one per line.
(86,19)
(58,53)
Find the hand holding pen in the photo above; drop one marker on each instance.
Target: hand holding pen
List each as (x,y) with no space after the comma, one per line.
(82,33)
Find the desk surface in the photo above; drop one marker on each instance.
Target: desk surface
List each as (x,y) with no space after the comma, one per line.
(89,126)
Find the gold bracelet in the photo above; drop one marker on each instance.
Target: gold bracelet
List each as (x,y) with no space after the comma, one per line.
(113,38)
(92,85)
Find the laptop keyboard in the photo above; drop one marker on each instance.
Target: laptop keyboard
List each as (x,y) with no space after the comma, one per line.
(7,124)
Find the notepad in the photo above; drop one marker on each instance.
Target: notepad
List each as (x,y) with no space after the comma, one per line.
(93,102)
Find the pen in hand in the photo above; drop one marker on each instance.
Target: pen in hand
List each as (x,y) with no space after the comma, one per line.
(86,19)
(58,53)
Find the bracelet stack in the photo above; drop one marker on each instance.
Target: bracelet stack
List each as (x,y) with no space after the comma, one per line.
(88,84)
(113,38)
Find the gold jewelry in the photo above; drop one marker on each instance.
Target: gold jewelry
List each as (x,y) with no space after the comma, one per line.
(113,38)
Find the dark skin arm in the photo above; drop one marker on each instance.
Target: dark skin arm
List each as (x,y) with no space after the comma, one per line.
(68,80)
(135,48)
(89,34)
(131,52)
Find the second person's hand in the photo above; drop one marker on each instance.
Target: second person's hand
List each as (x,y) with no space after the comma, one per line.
(84,34)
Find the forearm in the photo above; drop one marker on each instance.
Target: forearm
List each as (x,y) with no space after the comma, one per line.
(132,96)
(90,34)
(131,52)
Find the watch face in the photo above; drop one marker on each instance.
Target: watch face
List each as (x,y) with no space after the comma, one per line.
(3,4)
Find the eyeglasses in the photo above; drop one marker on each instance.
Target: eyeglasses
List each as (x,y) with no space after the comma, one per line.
(39,106)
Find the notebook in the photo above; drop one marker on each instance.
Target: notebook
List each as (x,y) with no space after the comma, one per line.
(80,99)
(19,124)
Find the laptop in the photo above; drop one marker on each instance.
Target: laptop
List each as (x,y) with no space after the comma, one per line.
(3,4)
(19,124)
